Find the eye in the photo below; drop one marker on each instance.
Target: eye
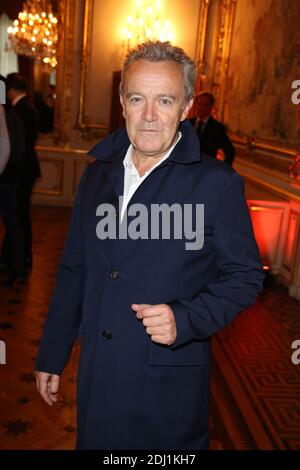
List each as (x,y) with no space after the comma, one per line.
(135,99)
(165,101)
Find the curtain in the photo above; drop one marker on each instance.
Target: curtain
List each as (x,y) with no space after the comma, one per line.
(8,58)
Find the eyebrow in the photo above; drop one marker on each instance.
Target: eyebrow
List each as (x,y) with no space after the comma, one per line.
(162,95)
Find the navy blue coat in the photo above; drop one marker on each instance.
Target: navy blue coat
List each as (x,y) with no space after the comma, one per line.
(134,393)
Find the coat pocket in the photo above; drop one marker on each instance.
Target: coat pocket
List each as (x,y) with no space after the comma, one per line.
(195,353)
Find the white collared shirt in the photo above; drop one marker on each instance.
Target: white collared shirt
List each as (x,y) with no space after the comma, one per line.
(132,179)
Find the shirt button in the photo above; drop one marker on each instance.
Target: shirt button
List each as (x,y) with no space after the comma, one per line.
(106,334)
(115,274)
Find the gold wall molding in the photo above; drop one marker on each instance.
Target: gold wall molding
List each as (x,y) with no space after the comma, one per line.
(269,157)
(224,42)
(64,81)
(57,184)
(201,41)
(271,187)
(83,121)
(216,19)
(60,150)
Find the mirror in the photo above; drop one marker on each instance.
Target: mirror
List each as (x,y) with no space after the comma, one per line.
(15,15)
(44,96)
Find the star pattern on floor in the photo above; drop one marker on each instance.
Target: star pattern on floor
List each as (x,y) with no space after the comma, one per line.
(17,427)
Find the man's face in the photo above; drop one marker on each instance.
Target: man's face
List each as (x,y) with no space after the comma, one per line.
(153,105)
(204,106)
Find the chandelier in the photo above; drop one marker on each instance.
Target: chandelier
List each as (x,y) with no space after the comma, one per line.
(146,23)
(34,33)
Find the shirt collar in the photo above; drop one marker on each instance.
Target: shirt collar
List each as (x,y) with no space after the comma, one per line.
(203,120)
(18,98)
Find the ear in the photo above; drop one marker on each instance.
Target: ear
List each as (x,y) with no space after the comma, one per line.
(123,106)
(186,109)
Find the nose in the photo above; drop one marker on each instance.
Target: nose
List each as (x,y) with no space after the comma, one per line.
(149,112)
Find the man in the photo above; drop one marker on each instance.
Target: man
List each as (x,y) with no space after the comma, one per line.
(212,133)
(145,308)
(12,259)
(16,91)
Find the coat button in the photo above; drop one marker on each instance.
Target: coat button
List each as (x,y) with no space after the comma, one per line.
(115,274)
(106,334)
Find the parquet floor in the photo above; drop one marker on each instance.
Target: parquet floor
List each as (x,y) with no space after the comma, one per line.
(255,386)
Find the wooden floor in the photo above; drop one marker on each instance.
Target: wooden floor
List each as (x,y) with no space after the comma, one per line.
(255,387)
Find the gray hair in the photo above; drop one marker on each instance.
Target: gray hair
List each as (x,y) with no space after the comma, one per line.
(157,51)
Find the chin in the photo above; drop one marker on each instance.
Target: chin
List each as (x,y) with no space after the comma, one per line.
(148,151)
(147,147)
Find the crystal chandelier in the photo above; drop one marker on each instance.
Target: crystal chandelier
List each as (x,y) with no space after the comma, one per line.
(146,23)
(34,33)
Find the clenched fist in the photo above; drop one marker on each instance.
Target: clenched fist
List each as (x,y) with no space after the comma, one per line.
(159,321)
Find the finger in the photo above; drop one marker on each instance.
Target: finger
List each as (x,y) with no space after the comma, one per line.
(53,386)
(43,379)
(155,331)
(140,309)
(158,320)
(54,383)
(45,394)
(137,307)
(150,311)
(43,383)
(51,395)
(158,339)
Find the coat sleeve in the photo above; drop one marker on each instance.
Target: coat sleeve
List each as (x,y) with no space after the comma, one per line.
(239,271)
(64,316)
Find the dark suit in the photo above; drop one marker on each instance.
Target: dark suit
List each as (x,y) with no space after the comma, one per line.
(134,393)
(30,171)
(214,137)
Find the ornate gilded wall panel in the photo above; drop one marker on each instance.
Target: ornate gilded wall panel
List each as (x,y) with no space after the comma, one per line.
(235,40)
(65,70)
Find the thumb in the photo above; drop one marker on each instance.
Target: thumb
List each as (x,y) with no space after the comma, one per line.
(137,307)
(54,383)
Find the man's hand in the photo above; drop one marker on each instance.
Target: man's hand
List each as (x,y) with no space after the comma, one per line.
(159,321)
(47,385)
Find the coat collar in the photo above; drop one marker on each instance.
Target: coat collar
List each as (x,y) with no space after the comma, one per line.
(114,147)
